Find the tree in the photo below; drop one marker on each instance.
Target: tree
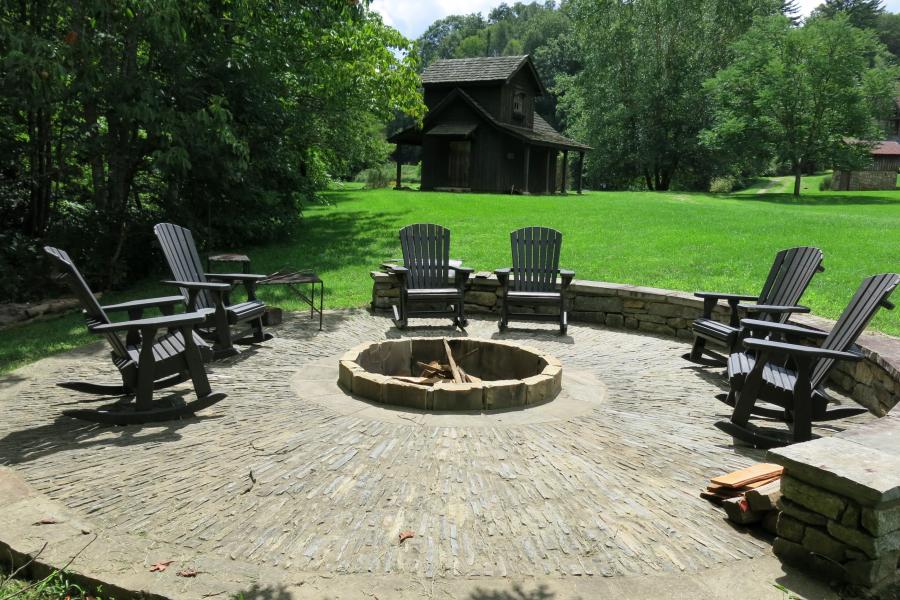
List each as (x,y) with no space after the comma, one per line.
(888,28)
(639,100)
(862,13)
(798,94)
(225,115)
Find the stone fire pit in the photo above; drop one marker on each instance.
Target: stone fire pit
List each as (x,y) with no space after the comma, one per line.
(510,375)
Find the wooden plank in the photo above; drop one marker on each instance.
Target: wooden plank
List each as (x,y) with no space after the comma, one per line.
(457,378)
(752,474)
(764,497)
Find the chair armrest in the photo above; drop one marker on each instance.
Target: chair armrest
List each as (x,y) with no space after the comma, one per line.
(794,330)
(724,296)
(772,308)
(796,350)
(141,304)
(155,322)
(461,275)
(199,285)
(710,299)
(567,277)
(503,275)
(235,276)
(468,270)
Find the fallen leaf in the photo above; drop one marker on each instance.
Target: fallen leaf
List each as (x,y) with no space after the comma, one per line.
(187,573)
(405,535)
(46,521)
(161,566)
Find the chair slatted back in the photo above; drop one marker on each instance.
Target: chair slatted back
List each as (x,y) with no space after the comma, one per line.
(789,277)
(873,293)
(426,253)
(94,313)
(181,253)
(535,259)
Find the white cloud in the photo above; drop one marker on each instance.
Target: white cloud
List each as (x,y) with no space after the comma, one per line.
(412,17)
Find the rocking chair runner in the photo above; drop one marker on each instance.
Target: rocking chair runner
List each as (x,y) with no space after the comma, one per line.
(799,392)
(145,362)
(425,276)
(208,293)
(532,279)
(788,278)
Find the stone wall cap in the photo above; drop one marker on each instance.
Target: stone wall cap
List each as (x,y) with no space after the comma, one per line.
(850,466)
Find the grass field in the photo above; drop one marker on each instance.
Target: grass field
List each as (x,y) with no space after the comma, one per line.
(675,240)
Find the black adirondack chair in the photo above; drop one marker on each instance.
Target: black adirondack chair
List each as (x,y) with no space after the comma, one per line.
(145,360)
(798,391)
(425,288)
(531,281)
(208,293)
(788,278)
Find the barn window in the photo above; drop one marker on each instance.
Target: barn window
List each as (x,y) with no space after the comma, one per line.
(518,107)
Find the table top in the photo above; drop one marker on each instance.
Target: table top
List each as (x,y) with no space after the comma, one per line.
(285,277)
(229,258)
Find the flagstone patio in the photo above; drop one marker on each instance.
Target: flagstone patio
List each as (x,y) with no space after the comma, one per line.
(290,477)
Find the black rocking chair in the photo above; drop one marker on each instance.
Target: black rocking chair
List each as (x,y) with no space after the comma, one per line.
(532,279)
(425,288)
(788,278)
(208,293)
(146,361)
(797,392)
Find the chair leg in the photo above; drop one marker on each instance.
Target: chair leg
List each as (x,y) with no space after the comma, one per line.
(504,318)
(195,364)
(746,398)
(461,320)
(224,344)
(802,409)
(146,371)
(697,348)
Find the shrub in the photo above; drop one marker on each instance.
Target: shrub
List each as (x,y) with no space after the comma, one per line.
(825,183)
(379,177)
(722,185)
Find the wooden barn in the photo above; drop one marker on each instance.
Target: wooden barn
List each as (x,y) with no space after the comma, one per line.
(481,132)
(880,175)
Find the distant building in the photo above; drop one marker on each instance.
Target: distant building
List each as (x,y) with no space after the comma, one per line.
(880,175)
(481,132)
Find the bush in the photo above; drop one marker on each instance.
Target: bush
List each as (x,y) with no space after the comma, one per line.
(825,183)
(379,177)
(722,185)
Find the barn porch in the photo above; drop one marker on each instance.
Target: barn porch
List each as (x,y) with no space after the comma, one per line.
(466,157)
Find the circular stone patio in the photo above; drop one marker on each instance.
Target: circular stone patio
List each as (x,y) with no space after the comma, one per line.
(289,474)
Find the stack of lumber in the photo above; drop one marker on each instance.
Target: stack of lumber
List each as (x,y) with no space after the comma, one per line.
(748,495)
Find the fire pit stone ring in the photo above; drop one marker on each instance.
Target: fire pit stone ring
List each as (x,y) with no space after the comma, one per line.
(495,374)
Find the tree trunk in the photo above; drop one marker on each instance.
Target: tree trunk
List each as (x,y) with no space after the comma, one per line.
(798,173)
(649,180)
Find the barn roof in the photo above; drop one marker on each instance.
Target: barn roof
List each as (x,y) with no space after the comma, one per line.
(888,148)
(543,133)
(481,70)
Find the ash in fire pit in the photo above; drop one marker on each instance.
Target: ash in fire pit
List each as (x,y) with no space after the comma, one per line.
(450,374)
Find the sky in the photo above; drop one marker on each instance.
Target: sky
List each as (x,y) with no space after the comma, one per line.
(412,17)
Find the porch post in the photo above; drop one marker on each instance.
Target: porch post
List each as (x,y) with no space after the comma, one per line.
(565,169)
(578,172)
(527,162)
(397,187)
(548,185)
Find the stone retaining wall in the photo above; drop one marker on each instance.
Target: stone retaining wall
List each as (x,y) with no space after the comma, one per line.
(840,505)
(873,382)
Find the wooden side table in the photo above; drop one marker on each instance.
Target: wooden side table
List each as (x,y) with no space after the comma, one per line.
(293,280)
(243,259)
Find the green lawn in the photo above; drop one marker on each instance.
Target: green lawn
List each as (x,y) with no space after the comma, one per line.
(675,240)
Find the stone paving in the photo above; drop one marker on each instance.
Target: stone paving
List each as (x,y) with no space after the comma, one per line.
(290,473)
